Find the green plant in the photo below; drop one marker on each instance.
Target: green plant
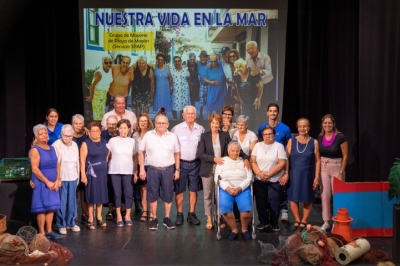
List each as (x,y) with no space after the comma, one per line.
(394,181)
(89,73)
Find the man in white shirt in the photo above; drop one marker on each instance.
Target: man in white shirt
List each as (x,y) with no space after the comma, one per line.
(162,150)
(120,112)
(188,133)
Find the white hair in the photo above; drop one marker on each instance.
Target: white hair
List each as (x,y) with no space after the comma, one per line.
(67,127)
(78,116)
(252,42)
(107,56)
(189,106)
(240,61)
(233,143)
(142,57)
(242,119)
(37,128)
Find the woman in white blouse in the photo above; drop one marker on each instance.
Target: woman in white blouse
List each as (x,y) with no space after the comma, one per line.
(268,160)
(246,138)
(68,159)
(121,167)
(234,187)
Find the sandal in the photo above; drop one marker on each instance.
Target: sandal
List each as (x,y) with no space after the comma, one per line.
(120,223)
(209,224)
(144,217)
(295,226)
(90,225)
(101,223)
(109,215)
(302,226)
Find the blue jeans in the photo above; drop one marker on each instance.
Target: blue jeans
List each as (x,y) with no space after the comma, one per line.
(65,216)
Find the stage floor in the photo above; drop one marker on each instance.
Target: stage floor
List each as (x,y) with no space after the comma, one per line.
(186,245)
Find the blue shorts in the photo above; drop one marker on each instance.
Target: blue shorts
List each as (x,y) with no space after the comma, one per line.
(243,201)
(160,178)
(189,175)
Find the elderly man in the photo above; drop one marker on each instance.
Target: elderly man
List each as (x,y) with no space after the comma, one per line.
(259,63)
(120,112)
(203,91)
(122,79)
(215,78)
(162,150)
(99,87)
(188,133)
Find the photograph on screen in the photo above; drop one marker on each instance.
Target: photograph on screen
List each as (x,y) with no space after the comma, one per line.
(162,59)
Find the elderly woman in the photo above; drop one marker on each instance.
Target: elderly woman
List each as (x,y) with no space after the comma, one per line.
(333,149)
(181,87)
(142,86)
(78,123)
(227,113)
(122,166)
(45,196)
(246,138)
(248,87)
(94,173)
(68,161)
(234,187)
(194,79)
(163,87)
(216,80)
(100,86)
(52,125)
(305,167)
(143,125)
(268,160)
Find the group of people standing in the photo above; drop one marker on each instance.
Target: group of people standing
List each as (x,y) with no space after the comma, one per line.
(130,150)
(210,81)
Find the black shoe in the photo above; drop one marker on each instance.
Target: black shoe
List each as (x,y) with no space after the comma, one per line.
(275,227)
(179,219)
(153,224)
(260,226)
(192,218)
(138,208)
(168,223)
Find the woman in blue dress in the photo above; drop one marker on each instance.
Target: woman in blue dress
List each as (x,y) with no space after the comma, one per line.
(52,125)
(215,78)
(163,88)
(94,172)
(45,196)
(181,87)
(305,168)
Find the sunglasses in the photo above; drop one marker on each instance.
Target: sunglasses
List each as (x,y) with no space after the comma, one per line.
(177,61)
(108,63)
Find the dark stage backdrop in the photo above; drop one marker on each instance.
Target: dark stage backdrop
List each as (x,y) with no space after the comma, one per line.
(342,57)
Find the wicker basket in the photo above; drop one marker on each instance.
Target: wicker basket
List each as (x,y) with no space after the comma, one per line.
(3,223)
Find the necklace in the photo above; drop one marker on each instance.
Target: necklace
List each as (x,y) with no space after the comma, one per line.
(96,145)
(266,148)
(297,146)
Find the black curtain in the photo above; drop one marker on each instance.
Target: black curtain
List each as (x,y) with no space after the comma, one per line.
(342,57)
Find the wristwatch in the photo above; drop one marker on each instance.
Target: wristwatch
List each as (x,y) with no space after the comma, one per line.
(178,169)
(341,172)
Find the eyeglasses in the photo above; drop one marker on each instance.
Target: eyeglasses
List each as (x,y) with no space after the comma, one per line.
(225,114)
(161,123)
(213,61)
(108,63)
(268,134)
(232,56)
(177,61)
(66,136)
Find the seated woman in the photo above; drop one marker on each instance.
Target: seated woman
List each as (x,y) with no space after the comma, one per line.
(234,187)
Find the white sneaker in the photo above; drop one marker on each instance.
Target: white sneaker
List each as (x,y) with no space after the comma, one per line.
(75,228)
(325,226)
(62,231)
(284,216)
